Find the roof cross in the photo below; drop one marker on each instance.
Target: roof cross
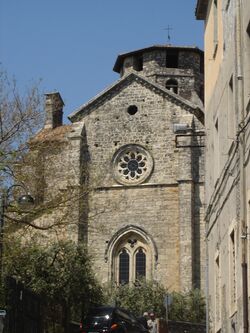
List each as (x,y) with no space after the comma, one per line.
(168,30)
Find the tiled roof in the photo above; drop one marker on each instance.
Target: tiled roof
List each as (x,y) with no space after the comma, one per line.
(52,134)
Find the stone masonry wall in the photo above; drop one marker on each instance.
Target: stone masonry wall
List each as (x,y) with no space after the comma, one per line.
(155,209)
(154,205)
(110,126)
(54,178)
(188,74)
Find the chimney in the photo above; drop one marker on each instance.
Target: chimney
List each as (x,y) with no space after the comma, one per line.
(54,110)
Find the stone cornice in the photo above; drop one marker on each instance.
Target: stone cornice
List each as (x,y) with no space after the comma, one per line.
(146,185)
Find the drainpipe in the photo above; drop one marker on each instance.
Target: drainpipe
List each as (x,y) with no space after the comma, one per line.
(242,149)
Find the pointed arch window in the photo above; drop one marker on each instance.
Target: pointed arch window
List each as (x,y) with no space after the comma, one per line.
(131,258)
(123,267)
(172,85)
(140,264)
(131,255)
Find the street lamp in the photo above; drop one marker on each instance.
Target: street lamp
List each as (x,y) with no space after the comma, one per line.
(25,200)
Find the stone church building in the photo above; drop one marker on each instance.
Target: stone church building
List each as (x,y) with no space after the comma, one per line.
(138,147)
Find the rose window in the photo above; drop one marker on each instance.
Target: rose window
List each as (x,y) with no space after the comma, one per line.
(132,164)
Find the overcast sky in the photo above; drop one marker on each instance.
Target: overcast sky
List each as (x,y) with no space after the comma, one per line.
(72,45)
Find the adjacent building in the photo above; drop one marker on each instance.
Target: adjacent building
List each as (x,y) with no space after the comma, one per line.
(227,171)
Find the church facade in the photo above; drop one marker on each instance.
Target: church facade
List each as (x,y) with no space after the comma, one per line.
(139,148)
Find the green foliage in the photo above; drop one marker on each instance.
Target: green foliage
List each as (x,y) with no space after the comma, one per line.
(188,306)
(61,272)
(149,296)
(144,296)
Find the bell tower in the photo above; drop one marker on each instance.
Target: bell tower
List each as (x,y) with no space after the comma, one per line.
(179,69)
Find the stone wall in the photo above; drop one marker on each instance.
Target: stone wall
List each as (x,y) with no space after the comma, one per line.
(154,209)
(163,206)
(188,74)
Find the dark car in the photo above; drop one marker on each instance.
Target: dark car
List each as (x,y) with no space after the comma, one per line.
(108,319)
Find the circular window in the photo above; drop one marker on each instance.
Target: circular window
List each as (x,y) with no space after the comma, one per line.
(132,109)
(132,165)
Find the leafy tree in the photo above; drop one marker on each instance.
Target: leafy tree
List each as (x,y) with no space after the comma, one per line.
(138,298)
(196,306)
(60,272)
(149,296)
(190,307)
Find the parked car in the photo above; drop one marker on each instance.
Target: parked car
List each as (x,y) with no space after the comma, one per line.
(108,319)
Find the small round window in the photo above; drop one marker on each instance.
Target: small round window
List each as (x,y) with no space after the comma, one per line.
(132,109)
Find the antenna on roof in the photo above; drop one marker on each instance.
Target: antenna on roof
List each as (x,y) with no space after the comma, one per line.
(168,30)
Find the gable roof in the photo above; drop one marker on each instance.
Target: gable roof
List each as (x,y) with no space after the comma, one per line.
(126,80)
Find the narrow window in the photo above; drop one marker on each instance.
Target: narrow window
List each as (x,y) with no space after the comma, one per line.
(140,264)
(123,267)
(172,59)
(138,63)
(172,85)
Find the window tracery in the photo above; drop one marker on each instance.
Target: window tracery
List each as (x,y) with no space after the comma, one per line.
(132,254)
(140,264)
(132,165)
(124,266)
(132,260)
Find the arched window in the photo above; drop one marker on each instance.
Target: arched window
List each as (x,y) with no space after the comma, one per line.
(132,256)
(172,85)
(140,264)
(123,267)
